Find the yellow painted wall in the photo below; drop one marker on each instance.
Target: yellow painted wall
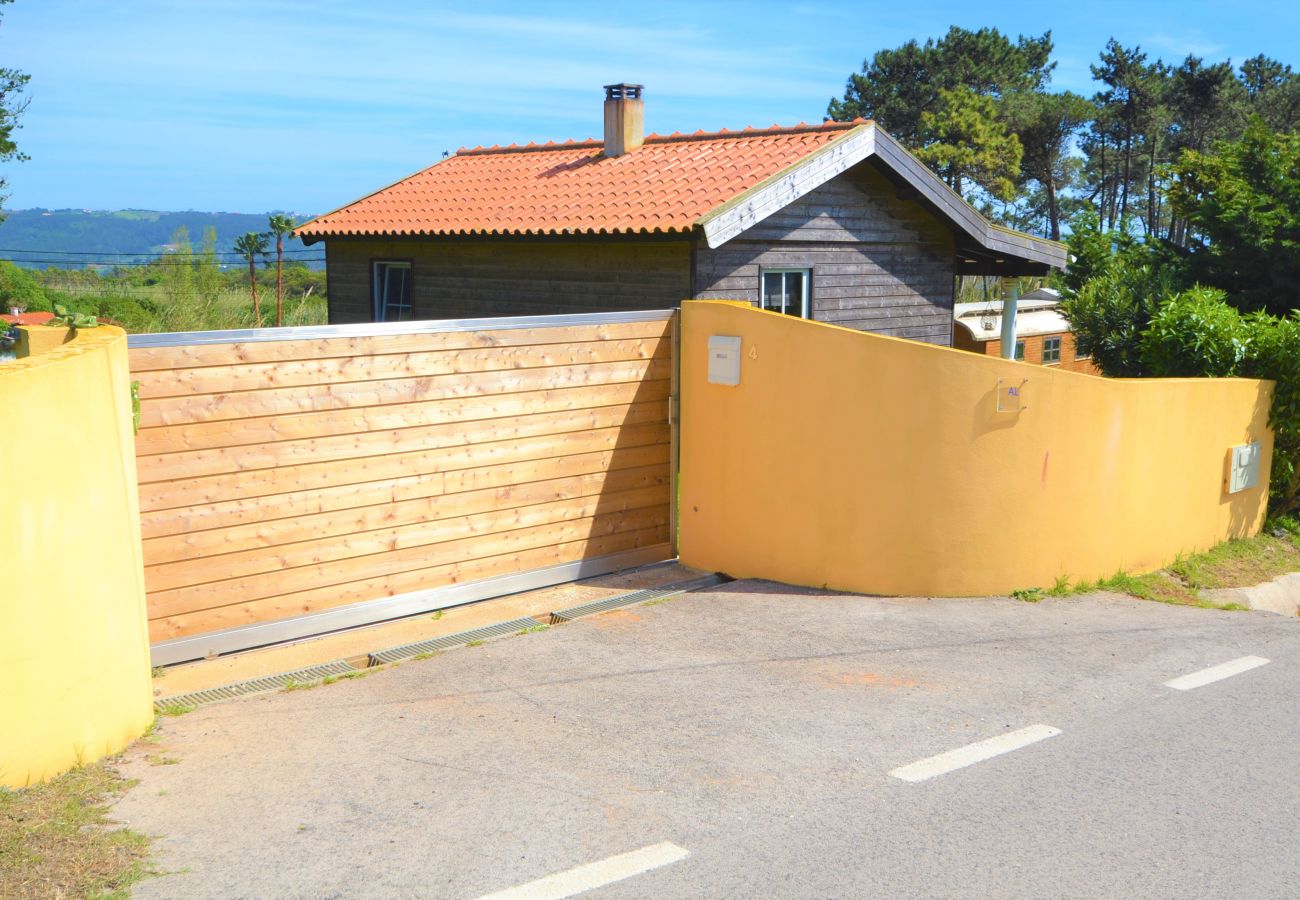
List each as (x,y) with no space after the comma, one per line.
(877,465)
(74,654)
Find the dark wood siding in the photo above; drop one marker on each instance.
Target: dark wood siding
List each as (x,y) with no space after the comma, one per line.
(879,263)
(466,279)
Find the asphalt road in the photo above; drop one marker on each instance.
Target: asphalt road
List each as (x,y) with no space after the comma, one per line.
(740,742)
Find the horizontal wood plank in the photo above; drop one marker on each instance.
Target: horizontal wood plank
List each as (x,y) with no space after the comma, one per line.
(228,515)
(370,444)
(283,558)
(413,364)
(265,536)
(266,429)
(340,571)
(309,398)
(259,482)
(272,608)
(147,359)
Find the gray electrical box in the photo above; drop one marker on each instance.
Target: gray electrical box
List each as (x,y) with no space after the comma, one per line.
(1243,467)
(724,359)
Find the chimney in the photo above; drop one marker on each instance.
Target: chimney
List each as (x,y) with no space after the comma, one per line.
(624,119)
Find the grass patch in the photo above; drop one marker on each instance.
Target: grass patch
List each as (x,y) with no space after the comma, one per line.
(174,709)
(533,629)
(1237,563)
(292,685)
(54,841)
(474,643)
(157,759)
(1240,563)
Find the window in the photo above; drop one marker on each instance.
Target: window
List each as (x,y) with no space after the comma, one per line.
(1078,352)
(1020,350)
(392,287)
(787,291)
(1051,350)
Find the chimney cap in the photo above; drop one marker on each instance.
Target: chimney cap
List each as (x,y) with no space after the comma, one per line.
(623,91)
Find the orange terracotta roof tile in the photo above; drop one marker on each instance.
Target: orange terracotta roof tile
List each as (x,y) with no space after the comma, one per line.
(572,188)
(31,318)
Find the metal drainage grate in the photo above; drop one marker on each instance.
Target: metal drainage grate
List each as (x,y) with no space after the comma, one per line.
(254,686)
(406,651)
(560,616)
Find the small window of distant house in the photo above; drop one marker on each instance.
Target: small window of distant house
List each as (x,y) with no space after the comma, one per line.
(1020,350)
(788,291)
(1078,351)
(1051,350)
(392,286)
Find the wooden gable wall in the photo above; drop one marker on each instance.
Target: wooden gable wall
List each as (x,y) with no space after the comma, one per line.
(879,263)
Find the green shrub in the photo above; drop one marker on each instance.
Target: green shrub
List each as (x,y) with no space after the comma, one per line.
(1110,313)
(1195,334)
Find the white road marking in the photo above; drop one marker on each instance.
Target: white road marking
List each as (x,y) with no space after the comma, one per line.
(594,875)
(973,753)
(1216,673)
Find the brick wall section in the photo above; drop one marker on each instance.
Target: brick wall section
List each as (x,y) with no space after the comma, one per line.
(878,263)
(1033,351)
(469,279)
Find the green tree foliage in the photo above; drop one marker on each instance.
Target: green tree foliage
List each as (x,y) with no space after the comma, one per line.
(1046,125)
(12,106)
(1242,208)
(941,99)
(967,143)
(1273,92)
(177,267)
(19,289)
(281,226)
(1275,354)
(207,271)
(251,246)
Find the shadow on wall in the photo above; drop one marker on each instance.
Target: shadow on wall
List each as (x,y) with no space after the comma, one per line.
(886,466)
(74,658)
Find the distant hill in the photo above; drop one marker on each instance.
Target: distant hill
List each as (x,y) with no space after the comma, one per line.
(73,237)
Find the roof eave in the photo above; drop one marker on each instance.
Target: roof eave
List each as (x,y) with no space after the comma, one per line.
(864,142)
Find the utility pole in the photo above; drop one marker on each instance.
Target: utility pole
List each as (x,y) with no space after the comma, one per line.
(1009,304)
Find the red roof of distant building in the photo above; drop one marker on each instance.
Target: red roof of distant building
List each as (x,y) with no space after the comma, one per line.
(573,188)
(31,318)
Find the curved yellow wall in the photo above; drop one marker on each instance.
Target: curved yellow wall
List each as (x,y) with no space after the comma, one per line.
(74,653)
(878,465)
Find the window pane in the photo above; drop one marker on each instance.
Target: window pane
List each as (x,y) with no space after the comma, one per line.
(794,289)
(784,292)
(773,291)
(1051,350)
(1020,349)
(392,292)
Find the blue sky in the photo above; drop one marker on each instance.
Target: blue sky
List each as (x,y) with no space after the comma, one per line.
(249,106)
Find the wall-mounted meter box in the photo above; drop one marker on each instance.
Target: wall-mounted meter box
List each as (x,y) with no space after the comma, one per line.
(1243,467)
(724,359)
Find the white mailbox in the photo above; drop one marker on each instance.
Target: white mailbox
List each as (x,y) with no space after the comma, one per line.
(724,359)
(1243,467)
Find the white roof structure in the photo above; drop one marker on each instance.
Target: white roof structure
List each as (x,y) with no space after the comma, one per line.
(1036,313)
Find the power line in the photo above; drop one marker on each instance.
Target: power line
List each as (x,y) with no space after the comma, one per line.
(145,252)
(153,263)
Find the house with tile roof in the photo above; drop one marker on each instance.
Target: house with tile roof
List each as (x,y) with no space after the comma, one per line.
(835,222)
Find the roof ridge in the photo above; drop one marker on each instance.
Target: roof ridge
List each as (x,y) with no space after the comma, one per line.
(676,137)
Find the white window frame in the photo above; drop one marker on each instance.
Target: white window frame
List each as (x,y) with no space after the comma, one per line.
(805,305)
(380,306)
(1060,345)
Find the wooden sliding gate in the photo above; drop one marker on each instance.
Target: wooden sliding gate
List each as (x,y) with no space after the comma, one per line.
(301,480)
